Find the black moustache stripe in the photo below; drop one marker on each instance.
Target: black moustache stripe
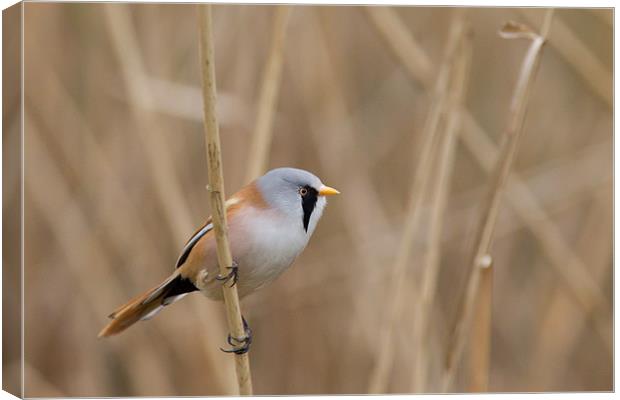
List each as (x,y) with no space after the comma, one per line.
(308,202)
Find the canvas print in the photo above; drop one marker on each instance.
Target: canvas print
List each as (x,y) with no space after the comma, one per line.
(224,199)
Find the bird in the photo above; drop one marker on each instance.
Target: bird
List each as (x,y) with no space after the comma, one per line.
(270,221)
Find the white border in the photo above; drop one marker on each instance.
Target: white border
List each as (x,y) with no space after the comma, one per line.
(566,3)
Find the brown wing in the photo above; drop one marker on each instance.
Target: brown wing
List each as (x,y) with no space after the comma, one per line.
(248,194)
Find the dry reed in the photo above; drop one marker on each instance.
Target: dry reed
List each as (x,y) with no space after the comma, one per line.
(127,50)
(215,188)
(431,261)
(161,164)
(555,246)
(552,352)
(423,170)
(397,37)
(263,131)
(339,147)
(74,227)
(573,272)
(490,209)
(480,337)
(586,63)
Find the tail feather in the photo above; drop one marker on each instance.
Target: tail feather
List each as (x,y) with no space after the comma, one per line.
(146,305)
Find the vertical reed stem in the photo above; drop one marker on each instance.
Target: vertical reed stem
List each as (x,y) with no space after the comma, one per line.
(216,193)
(480,339)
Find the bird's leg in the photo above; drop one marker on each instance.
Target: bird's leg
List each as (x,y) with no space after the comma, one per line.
(240,345)
(232,275)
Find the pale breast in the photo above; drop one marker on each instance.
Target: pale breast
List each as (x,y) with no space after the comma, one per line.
(263,243)
(275,242)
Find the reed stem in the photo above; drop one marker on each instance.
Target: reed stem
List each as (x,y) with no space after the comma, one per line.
(486,226)
(216,193)
(480,342)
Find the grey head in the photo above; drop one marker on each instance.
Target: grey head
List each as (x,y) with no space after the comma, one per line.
(296,193)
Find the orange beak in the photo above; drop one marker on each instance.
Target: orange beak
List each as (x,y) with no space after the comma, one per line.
(327,191)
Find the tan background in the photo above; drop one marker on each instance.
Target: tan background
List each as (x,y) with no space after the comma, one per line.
(115,177)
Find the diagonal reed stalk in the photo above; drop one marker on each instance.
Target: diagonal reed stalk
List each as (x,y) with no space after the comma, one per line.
(70,223)
(486,226)
(263,132)
(578,55)
(340,148)
(396,35)
(216,193)
(127,50)
(562,327)
(430,265)
(379,376)
(578,281)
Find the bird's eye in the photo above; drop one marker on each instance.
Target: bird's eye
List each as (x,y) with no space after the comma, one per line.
(303,191)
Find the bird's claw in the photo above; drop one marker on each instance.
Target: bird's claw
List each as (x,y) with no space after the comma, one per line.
(240,345)
(232,275)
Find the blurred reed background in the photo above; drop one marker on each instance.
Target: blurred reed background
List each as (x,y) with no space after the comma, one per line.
(115,183)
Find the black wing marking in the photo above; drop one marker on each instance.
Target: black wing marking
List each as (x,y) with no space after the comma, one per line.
(177,289)
(192,242)
(171,288)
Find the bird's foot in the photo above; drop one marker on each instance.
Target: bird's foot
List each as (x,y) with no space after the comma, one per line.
(232,275)
(240,345)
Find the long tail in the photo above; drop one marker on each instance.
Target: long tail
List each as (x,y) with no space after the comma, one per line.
(146,305)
